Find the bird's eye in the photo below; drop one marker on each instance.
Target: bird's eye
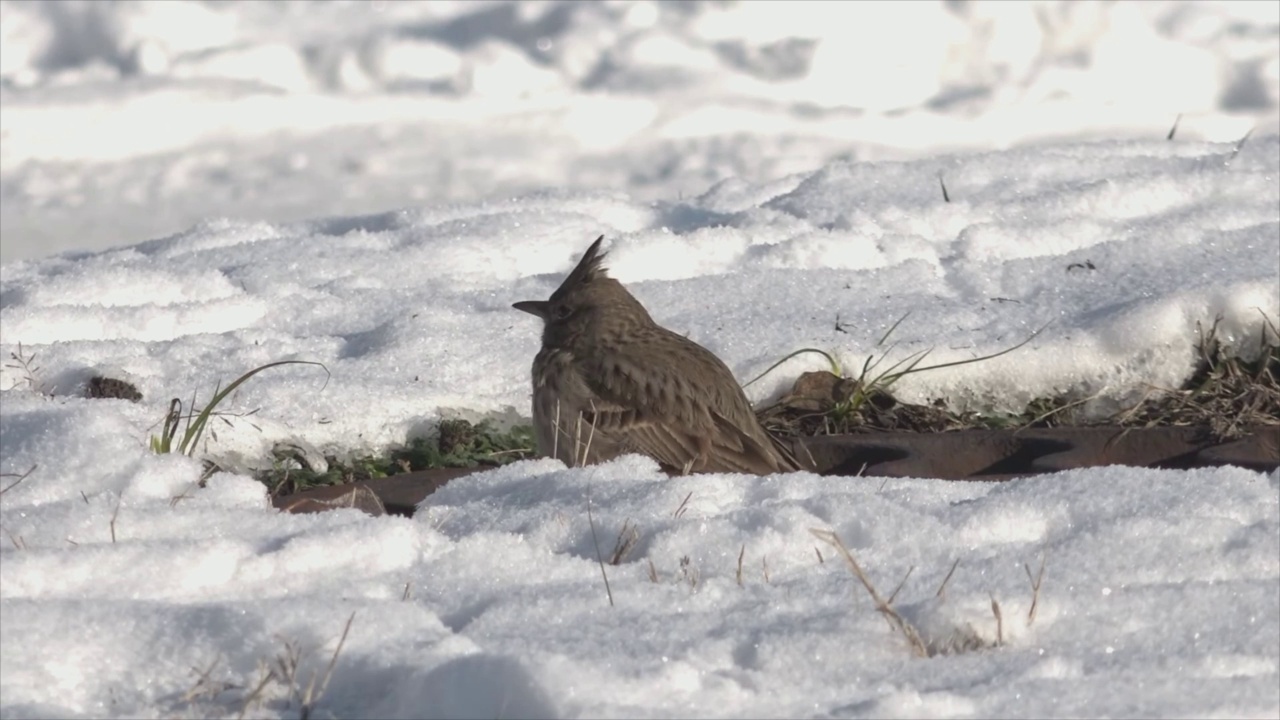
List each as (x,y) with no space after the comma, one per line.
(561,311)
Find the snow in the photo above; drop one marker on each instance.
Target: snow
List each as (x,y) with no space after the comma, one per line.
(191,190)
(179,111)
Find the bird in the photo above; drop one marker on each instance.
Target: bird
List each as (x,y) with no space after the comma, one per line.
(609,381)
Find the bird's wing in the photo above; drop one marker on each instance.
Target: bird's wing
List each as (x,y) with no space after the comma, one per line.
(647,403)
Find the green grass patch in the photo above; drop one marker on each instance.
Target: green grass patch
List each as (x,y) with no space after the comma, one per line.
(455,444)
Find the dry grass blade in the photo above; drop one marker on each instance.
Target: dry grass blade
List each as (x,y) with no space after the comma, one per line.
(1226,393)
(586,451)
(17,540)
(896,620)
(831,361)
(194,430)
(684,505)
(942,587)
(626,542)
(653,571)
(203,686)
(741,553)
(995,610)
(1240,144)
(26,363)
(688,572)
(310,698)
(1058,409)
(555,436)
(114,514)
(1035,588)
(596,541)
(267,675)
(893,595)
(20,478)
(992,356)
(577,439)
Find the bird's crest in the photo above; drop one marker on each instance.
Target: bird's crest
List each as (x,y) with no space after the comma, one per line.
(589,268)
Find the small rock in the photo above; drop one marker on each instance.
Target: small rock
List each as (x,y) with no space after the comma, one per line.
(111,388)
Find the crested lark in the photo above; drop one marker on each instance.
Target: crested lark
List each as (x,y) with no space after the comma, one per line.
(609,381)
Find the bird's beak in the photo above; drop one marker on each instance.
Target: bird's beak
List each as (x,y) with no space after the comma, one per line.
(541,308)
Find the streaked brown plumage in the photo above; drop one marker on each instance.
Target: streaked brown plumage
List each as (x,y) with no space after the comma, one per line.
(609,381)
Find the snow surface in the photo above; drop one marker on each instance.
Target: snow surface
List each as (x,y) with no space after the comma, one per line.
(403,173)
(130,120)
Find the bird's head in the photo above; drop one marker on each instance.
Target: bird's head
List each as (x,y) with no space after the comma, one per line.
(587,302)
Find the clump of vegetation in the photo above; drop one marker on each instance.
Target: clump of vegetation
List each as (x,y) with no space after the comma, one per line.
(833,403)
(456,444)
(26,364)
(953,640)
(109,388)
(196,424)
(1226,394)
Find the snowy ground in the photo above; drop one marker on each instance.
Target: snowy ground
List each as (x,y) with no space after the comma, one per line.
(131,120)
(403,173)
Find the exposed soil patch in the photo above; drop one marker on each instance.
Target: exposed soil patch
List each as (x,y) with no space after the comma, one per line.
(1228,412)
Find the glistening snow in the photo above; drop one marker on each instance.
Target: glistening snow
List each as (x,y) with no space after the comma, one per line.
(1161,594)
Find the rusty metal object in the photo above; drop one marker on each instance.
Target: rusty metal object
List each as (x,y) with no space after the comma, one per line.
(1000,454)
(396,495)
(984,455)
(356,495)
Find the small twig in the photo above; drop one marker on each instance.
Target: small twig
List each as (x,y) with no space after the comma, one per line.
(741,554)
(945,196)
(405,595)
(1173,130)
(653,571)
(819,554)
(596,541)
(764,564)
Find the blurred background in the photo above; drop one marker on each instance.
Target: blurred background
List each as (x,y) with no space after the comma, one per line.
(126,120)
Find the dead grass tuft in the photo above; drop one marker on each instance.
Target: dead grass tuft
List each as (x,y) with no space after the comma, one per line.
(1226,393)
(962,639)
